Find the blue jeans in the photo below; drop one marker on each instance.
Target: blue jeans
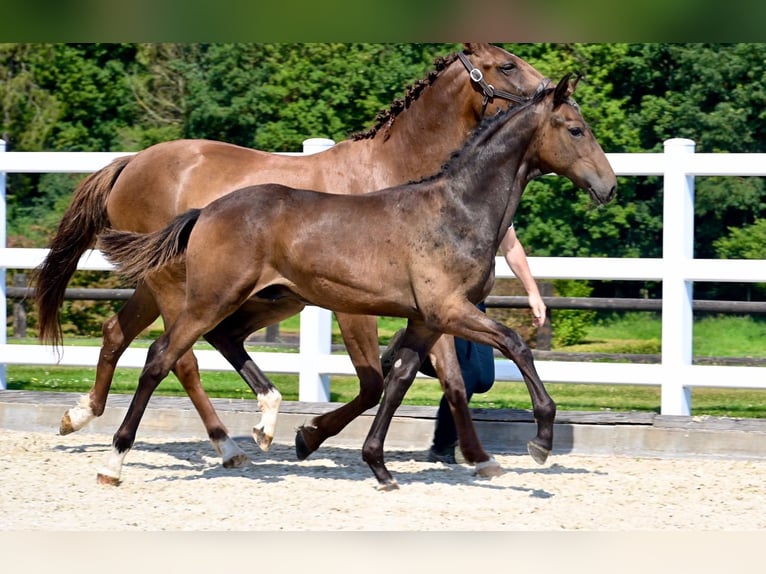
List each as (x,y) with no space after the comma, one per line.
(477,364)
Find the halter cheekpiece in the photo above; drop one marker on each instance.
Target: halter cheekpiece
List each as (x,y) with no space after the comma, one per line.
(488,90)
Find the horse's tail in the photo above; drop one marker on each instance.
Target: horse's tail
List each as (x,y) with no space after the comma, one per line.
(83,220)
(135,255)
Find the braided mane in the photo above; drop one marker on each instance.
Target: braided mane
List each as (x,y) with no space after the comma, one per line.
(385,118)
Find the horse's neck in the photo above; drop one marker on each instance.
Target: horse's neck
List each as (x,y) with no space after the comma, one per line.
(437,123)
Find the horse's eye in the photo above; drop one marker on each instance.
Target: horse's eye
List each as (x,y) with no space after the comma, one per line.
(576,132)
(508,68)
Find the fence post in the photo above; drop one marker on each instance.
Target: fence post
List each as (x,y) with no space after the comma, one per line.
(20,308)
(3,290)
(677,298)
(316,328)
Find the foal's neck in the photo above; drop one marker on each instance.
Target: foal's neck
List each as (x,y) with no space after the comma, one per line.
(490,174)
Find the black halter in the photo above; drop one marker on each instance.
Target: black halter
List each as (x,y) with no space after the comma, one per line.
(488,90)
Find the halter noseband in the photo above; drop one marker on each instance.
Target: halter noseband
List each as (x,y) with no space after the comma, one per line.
(488,90)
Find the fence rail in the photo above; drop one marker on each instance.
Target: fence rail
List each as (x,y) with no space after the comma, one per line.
(677,270)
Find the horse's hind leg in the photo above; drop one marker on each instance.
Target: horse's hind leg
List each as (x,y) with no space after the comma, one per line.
(445,362)
(159,361)
(186,370)
(360,333)
(118,331)
(269,398)
(228,338)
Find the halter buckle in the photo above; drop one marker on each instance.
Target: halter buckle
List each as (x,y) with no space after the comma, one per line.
(476,75)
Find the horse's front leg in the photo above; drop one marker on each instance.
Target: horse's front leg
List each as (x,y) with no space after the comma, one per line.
(416,342)
(360,333)
(543,406)
(447,367)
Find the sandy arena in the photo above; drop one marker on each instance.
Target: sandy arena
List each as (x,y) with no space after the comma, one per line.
(49,483)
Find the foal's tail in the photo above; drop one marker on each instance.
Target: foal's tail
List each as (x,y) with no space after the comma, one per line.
(137,254)
(83,220)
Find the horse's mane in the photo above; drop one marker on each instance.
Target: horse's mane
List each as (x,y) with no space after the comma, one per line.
(385,118)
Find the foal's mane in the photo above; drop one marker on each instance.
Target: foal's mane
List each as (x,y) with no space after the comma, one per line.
(485,129)
(385,118)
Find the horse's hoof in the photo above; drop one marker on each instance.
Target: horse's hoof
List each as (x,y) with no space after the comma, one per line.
(388,486)
(237,461)
(262,439)
(66,425)
(107,480)
(538,453)
(302,450)
(488,469)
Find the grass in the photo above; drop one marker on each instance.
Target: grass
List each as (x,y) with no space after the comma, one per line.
(631,333)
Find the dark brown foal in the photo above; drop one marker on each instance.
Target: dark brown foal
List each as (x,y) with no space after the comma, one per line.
(424,251)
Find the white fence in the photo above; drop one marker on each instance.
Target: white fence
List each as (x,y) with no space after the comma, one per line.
(677,270)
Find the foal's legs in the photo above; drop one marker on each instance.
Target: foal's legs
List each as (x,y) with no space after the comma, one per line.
(360,334)
(416,342)
(228,338)
(158,364)
(470,323)
(162,356)
(467,322)
(119,331)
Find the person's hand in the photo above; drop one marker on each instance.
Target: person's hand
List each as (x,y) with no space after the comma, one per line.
(538,310)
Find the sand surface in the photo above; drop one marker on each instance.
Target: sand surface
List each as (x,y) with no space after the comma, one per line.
(49,483)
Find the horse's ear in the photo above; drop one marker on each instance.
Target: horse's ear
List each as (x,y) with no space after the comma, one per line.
(472,47)
(564,89)
(574,82)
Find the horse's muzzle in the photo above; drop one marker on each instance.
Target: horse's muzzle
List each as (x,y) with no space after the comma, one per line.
(602,197)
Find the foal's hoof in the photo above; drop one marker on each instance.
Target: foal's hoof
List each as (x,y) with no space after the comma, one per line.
(488,469)
(388,486)
(262,439)
(302,450)
(538,453)
(107,480)
(306,441)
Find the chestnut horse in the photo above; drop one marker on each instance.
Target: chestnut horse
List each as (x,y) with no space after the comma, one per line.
(424,251)
(144,192)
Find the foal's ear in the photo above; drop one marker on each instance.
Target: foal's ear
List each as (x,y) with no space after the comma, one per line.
(565,88)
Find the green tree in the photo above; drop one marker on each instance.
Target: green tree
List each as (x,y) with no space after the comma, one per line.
(28,112)
(273,96)
(714,94)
